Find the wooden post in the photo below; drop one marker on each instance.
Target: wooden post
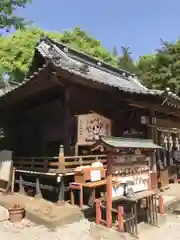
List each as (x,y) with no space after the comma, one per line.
(154,138)
(61,190)
(81,197)
(76,149)
(61,167)
(152,134)
(38,190)
(72,196)
(161,205)
(13,180)
(120,218)
(67,116)
(149,181)
(98,211)
(21,187)
(109,192)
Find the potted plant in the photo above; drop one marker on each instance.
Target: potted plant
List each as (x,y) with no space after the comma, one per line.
(16,213)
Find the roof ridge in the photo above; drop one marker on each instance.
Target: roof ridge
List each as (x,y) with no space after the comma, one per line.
(92,58)
(47,46)
(95,62)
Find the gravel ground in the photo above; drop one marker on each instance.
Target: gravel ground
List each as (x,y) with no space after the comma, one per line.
(82,230)
(169,230)
(27,230)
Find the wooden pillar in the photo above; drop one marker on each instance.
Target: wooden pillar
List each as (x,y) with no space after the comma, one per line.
(61,169)
(161,205)
(61,190)
(13,180)
(153,135)
(38,190)
(120,218)
(61,159)
(67,116)
(98,211)
(21,187)
(109,192)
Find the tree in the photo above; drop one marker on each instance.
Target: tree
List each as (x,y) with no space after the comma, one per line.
(159,70)
(115,52)
(17,51)
(80,40)
(162,69)
(8,18)
(145,69)
(125,61)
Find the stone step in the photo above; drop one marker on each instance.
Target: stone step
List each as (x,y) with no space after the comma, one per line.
(44,212)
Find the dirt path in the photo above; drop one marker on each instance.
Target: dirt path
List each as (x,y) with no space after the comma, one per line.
(82,230)
(169,230)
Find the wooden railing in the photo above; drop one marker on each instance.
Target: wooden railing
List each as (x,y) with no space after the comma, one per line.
(117,222)
(61,164)
(127,213)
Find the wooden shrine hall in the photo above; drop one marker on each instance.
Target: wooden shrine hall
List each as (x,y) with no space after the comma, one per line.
(70,99)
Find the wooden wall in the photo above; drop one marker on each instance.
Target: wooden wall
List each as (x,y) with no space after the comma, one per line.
(40,130)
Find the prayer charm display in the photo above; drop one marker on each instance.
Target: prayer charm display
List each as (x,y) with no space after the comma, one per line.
(132,177)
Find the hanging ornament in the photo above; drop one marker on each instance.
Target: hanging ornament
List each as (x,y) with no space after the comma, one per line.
(170,150)
(165,143)
(177,144)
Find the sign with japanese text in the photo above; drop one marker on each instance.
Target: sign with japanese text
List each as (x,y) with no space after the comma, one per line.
(91,127)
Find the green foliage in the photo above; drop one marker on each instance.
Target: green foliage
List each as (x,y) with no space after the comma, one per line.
(146,69)
(81,40)
(8,18)
(115,52)
(17,50)
(162,69)
(159,70)
(125,61)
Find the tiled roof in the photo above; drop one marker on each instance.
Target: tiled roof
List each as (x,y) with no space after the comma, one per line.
(118,142)
(12,88)
(92,69)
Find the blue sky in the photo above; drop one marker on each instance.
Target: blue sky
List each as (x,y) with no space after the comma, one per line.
(138,24)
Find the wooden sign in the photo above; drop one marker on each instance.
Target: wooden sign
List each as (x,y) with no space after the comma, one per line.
(118,161)
(91,127)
